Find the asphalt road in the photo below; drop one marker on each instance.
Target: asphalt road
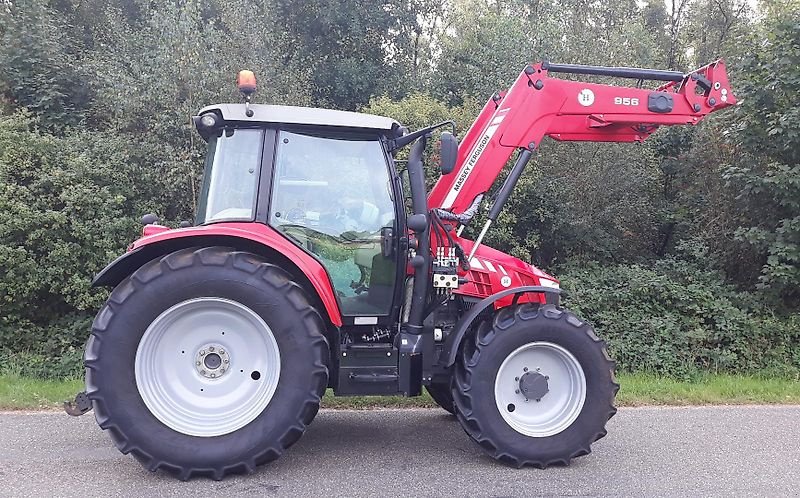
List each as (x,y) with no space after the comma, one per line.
(703,451)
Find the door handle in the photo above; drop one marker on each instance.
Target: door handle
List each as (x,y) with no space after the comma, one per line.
(387,242)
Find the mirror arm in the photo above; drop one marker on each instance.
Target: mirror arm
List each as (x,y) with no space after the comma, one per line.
(400,142)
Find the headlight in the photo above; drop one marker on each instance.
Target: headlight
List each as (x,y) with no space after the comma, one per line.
(208,120)
(545,282)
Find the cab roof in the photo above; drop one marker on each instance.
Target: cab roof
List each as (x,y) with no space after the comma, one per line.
(263,113)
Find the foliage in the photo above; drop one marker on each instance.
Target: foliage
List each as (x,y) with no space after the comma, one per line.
(67,207)
(353,57)
(39,66)
(766,171)
(419,110)
(601,203)
(676,318)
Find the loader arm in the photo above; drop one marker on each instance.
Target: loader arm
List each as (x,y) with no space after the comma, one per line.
(538,105)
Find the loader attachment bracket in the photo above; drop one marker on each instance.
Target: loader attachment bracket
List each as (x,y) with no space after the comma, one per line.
(80,405)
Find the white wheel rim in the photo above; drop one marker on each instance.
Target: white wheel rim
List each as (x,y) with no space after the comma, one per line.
(560,389)
(197,400)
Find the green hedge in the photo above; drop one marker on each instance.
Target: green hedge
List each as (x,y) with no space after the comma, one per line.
(676,318)
(44,351)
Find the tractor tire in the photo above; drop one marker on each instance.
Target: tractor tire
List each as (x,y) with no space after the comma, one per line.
(206,362)
(535,387)
(443,397)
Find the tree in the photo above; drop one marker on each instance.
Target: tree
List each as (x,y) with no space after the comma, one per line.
(766,135)
(343,44)
(38,58)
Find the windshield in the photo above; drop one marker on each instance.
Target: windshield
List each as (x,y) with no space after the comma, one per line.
(231,177)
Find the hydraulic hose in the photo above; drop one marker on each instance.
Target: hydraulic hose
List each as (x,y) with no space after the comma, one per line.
(462,218)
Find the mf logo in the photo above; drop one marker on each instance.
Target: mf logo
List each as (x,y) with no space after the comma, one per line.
(586,97)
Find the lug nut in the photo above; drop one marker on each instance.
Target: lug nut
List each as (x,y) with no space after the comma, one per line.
(537,400)
(211,348)
(222,371)
(517,391)
(525,369)
(221,351)
(546,377)
(202,352)
(538,369)
(197,363)
(213,375)
(202,372)
(226,361)
(516,378)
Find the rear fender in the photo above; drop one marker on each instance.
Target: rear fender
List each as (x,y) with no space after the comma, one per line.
(251,237)
(453,342)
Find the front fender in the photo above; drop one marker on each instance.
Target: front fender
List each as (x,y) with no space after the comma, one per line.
(464,323)
(252,237)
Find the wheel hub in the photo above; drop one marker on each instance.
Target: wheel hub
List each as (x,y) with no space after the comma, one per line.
(533,385)
(212,361)
(207,366)
(540,389)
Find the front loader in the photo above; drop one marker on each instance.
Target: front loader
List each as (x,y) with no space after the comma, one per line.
(305,269)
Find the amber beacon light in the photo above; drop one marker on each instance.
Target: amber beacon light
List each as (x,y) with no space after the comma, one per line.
(246,82)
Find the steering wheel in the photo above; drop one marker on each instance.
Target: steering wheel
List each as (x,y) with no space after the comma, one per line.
(296,215)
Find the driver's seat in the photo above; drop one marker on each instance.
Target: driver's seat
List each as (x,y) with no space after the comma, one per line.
(381,271)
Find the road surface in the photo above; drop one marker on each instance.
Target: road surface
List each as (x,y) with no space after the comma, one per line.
(697,451)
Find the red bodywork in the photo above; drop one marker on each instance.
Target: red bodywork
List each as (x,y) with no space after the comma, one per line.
(537,106)
(487,271)
(261,234)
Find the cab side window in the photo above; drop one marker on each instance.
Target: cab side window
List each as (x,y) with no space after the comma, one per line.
(332,197)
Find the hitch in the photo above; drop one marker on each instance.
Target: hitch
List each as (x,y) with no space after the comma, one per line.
(80,405)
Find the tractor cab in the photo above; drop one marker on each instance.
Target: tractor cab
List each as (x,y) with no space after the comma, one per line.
(324,180)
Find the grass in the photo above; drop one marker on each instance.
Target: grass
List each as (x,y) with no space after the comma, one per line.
(20,393)
(707,389)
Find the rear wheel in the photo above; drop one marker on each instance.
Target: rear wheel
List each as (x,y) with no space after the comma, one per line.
(206,362)
(535,387)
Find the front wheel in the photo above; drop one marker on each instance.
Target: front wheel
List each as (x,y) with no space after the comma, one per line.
(442,396)
(206,362)
(535,387)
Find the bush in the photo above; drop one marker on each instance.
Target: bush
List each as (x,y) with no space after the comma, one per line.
(68,205)
(675,318)
(48,351)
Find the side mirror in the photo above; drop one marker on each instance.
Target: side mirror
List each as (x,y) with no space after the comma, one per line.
(449,153)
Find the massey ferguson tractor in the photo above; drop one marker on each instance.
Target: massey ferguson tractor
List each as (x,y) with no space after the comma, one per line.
(313,263)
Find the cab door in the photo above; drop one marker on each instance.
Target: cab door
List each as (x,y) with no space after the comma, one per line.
(332,194)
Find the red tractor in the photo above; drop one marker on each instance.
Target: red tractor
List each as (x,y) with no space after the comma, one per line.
(314,264)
